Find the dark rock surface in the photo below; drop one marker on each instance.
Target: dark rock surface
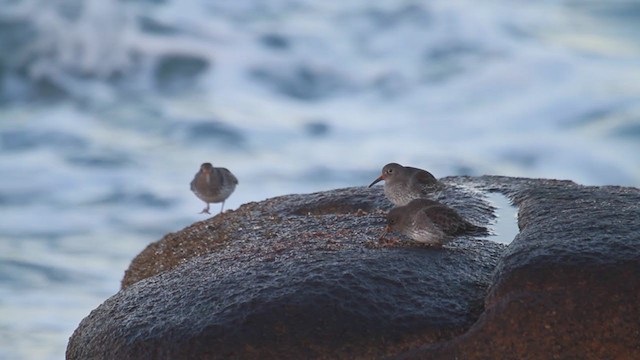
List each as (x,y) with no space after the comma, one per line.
(301,276)
(568,286)
(296,276)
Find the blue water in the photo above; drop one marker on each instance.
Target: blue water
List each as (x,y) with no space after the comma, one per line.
(107,108)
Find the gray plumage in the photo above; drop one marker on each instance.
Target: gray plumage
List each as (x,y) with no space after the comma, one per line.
(403,183)
(430,222)
(213,185)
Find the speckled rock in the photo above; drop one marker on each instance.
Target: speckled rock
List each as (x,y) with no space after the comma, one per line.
(568,286)
(270,226)
(299,276)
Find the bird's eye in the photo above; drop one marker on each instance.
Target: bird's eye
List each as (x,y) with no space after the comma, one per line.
(389,171)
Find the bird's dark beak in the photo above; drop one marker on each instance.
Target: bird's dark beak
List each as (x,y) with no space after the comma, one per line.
(380,178)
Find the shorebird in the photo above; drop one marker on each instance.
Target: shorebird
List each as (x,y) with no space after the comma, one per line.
(213,185)
(403,183)
(429,222)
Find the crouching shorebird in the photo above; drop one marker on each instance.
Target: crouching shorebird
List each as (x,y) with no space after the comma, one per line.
(213,185)
(403,183)
(429,222)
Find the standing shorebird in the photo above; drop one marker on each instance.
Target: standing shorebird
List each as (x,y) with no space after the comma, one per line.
(403,183)
(429,222)
(213,185)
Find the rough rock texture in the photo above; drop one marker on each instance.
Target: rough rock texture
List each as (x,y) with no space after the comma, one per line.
(338,218)
(296,276)
(568,286)
(301,276)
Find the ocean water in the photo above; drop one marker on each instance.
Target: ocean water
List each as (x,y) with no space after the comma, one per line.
(107,108)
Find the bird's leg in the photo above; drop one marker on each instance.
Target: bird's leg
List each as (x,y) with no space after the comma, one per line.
(205,210)
(389,242)
(386,242)
(384,233)
(222,207)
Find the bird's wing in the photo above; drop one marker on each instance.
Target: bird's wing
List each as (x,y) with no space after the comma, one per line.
(447,219)
(423,178)
(231,176)
(193,183)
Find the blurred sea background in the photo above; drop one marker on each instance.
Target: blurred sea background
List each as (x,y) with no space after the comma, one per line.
(107,109)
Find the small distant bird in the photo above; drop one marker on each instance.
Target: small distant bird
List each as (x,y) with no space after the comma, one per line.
(429,222)
(403,183)
(213,185)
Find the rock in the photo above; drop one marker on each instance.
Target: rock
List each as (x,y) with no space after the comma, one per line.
(568,286)
(301,276)
(296,276)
